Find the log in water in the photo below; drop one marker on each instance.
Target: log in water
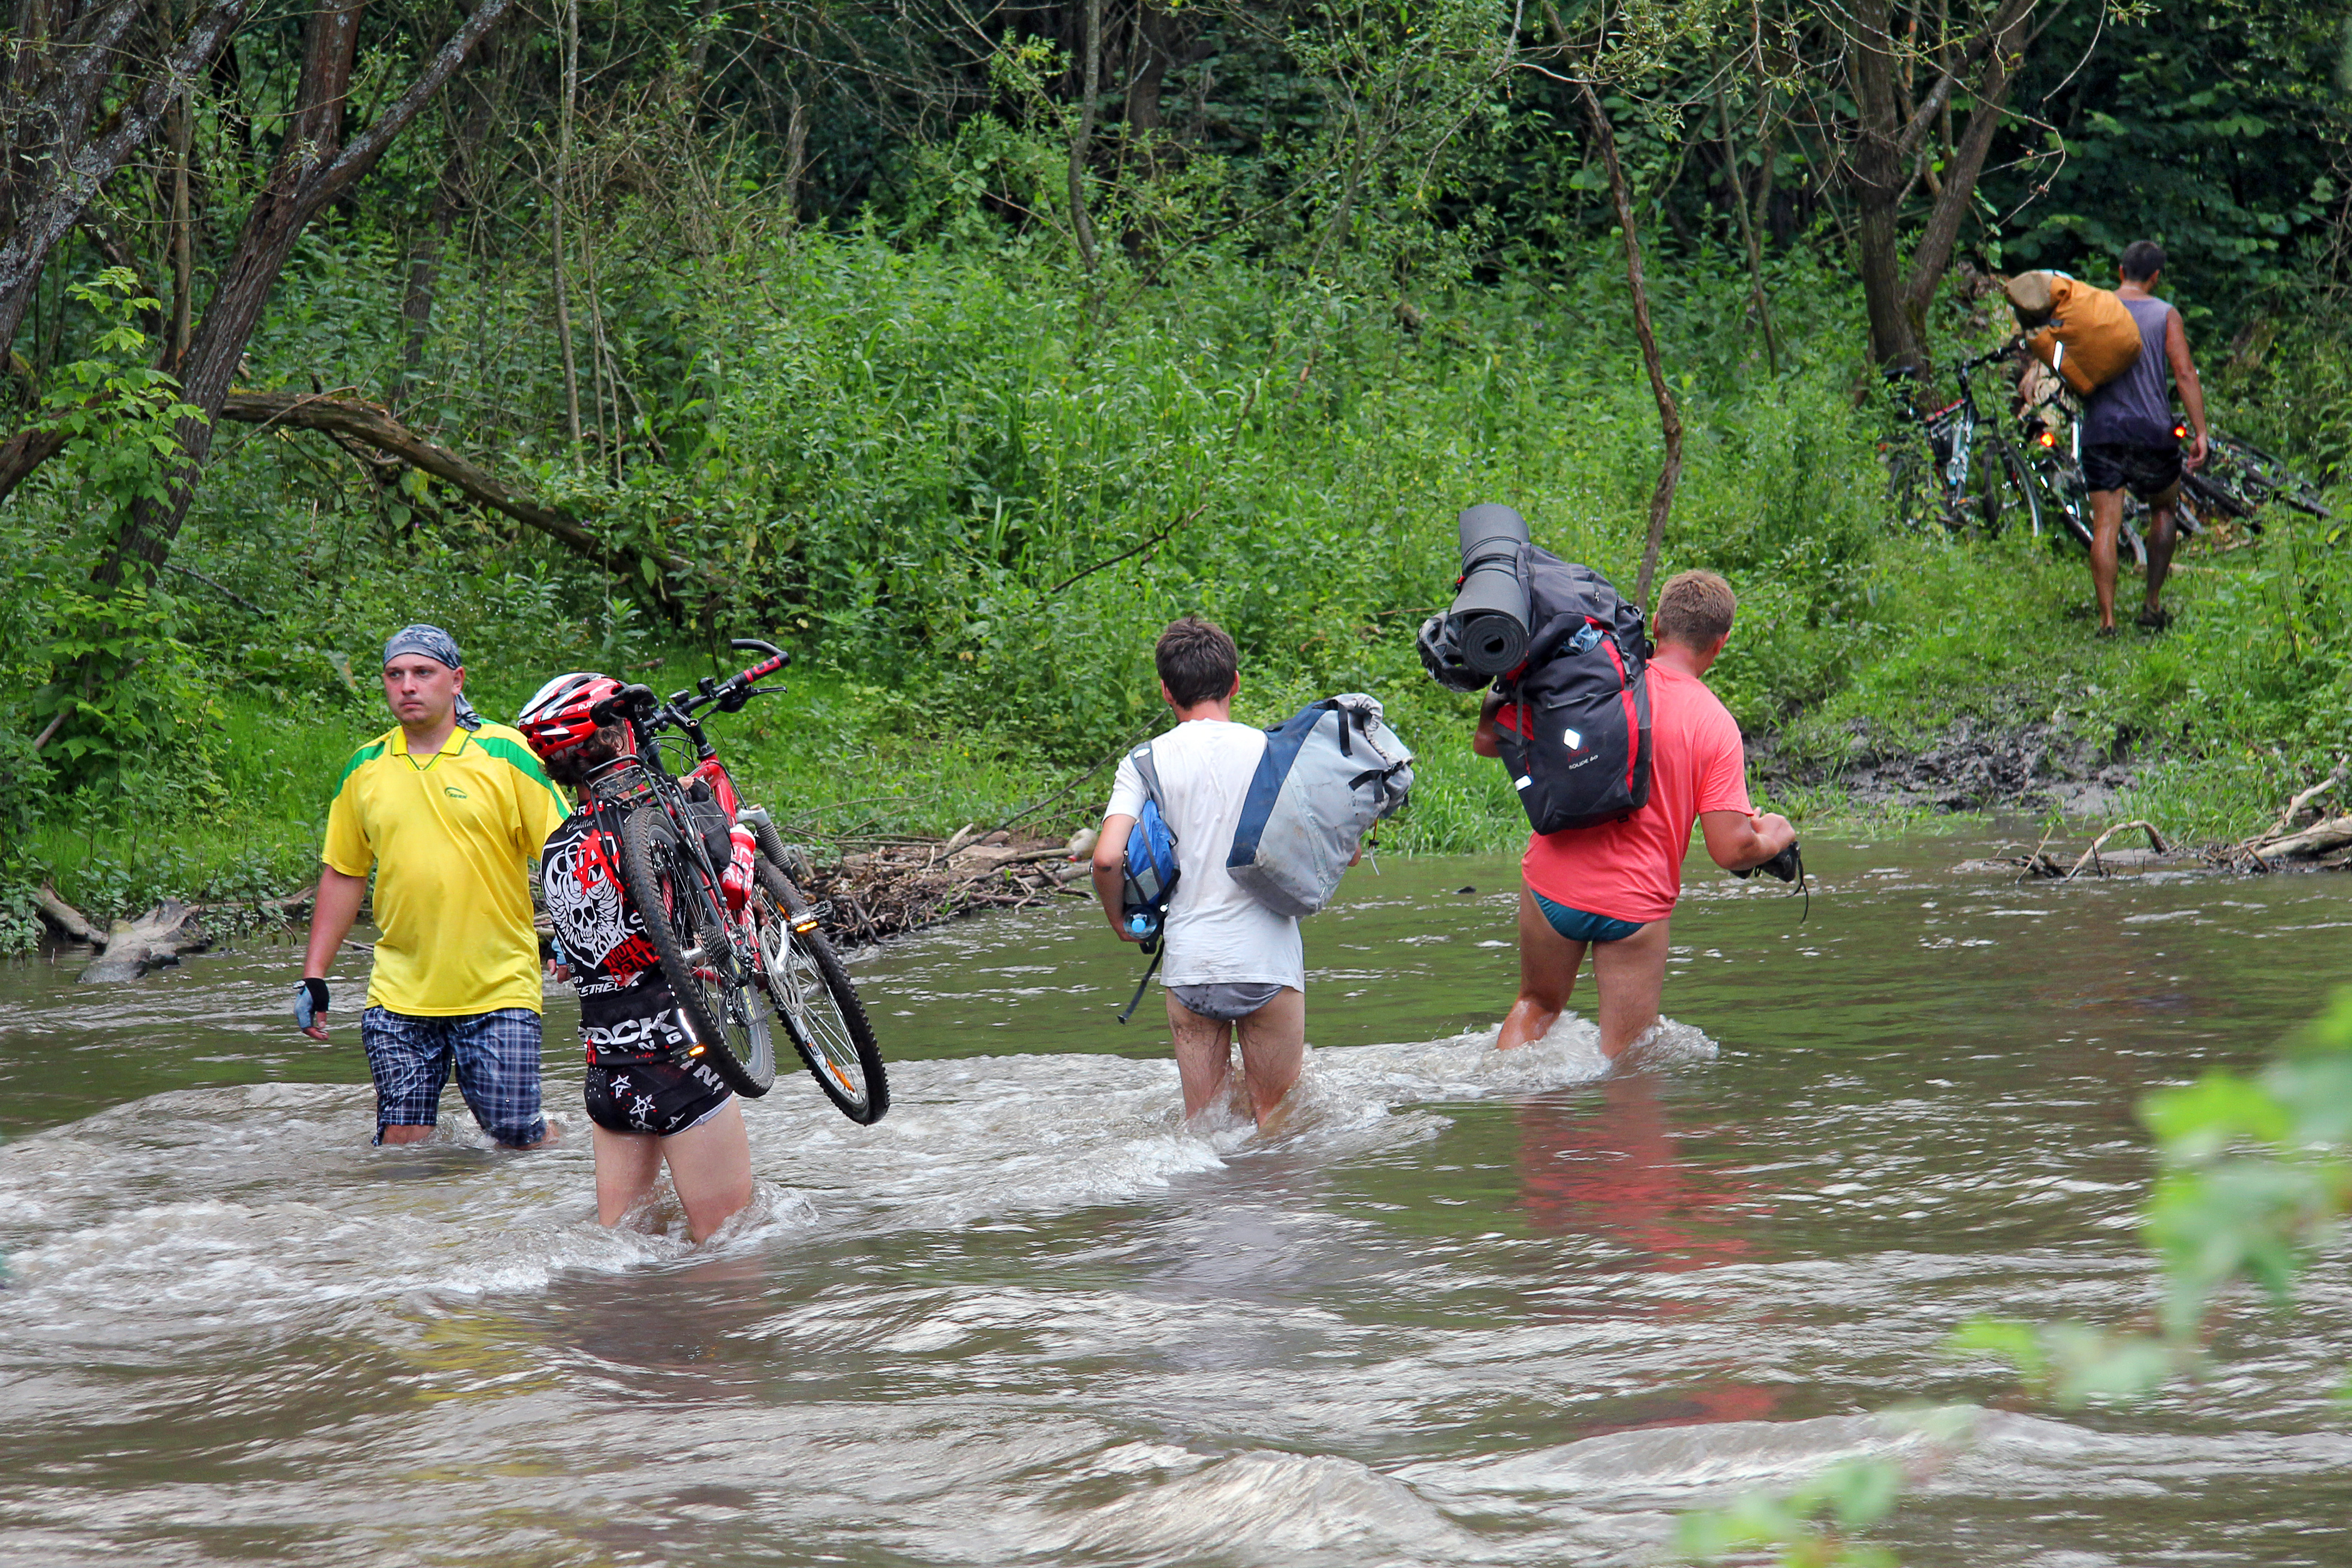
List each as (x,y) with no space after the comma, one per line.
(1470,1309)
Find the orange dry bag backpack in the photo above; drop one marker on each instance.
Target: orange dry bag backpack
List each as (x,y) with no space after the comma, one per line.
(2085,334)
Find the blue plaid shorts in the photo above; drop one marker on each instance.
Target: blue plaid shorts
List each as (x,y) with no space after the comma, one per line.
(497,1057)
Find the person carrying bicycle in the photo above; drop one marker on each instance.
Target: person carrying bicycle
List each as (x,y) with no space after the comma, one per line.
(2128,441)
(648,1100)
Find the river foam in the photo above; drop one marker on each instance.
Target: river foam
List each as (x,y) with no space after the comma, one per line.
(197,1211)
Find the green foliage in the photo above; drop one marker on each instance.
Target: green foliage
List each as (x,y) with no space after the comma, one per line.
(1813,1526)
(122,414)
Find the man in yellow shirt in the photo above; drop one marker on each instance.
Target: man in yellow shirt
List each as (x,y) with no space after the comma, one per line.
(447,811)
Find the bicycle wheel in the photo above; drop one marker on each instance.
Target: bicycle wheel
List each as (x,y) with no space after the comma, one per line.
(1913,484)
(689,937)
(2250,469)
(2218,494)
(812,995)
(2003,489)
(2064,502)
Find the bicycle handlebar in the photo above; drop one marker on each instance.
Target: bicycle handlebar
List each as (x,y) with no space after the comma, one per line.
(2003,352)
(731,694)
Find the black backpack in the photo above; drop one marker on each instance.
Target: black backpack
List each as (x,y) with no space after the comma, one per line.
(1581,756)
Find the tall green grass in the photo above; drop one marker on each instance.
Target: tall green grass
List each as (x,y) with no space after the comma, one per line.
(968,490)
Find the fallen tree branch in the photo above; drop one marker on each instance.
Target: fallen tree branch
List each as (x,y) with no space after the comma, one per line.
(2090,856)
(231,594)
(355,419)
(65,918)
(2294,808)
(2333,832)
(1159,538)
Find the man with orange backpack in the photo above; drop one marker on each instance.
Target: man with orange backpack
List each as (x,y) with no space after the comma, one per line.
(2128,441)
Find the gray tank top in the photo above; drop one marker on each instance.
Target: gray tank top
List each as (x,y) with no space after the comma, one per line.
(2136,408)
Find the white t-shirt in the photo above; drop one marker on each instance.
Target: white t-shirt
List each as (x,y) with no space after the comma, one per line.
(1216,934)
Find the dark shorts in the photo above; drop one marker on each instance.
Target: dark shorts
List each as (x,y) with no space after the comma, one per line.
(659,1098)
(2151,473)
(1578,926)
(496,1055)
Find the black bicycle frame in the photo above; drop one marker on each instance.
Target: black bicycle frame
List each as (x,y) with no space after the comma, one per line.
(648,716)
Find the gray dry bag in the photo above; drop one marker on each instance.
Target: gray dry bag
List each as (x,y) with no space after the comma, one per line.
(1331,771)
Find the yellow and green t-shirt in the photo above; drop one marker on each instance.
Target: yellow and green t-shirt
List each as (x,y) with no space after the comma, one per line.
(449,839)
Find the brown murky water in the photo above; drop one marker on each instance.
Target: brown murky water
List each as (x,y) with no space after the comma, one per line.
(1469,1309)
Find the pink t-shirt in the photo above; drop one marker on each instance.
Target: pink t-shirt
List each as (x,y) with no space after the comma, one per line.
(1633,870)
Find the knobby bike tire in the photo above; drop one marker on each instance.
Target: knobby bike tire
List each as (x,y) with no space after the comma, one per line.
(683,923)
(2002,488)
(813,996)
(2064,503)
(2265,477)
(2221,496)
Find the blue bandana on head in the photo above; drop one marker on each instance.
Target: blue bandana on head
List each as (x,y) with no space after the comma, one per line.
(441,648)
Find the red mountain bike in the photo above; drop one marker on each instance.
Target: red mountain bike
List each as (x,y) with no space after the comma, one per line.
(733,970)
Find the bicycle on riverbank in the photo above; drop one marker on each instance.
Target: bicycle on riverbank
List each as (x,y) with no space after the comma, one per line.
(1941,473)
(729,968)
(2237,480)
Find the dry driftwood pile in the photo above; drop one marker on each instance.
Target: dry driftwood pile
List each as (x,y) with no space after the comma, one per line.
(2304,835)
(2303,832)
(864,896)
(876,893)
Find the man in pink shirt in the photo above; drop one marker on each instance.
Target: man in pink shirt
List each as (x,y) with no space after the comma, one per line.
(1612,888)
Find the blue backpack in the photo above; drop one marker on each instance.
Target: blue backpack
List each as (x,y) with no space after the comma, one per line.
(1147,874)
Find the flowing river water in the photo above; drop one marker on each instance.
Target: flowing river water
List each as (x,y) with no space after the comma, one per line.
(1469,1309)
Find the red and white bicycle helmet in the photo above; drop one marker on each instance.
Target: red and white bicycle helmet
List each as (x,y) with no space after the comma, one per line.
(559,716)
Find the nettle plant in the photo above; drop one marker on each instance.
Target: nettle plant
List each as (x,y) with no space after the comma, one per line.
(116,669)
(119,414)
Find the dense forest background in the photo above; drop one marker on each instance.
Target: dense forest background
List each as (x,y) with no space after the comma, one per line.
(959,345)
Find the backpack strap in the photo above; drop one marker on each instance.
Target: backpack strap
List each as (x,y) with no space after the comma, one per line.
(1149,772)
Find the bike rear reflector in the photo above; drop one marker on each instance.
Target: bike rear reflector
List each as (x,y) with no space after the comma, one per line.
(2048,438)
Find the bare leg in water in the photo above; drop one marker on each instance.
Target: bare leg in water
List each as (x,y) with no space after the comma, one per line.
(1630,976)
(1274,1047)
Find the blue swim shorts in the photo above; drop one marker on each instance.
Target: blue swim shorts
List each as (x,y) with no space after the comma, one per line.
(1578,926)
(496,1055)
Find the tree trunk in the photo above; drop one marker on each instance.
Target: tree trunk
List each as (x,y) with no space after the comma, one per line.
(1739,194)
(313,168)
(50,175)
(450,199)
(555,219)
(1932,254)
(1082,226)
(1670,419)
(1890,134)
(1158,34)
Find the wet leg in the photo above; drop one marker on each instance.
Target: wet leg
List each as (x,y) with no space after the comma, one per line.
(710,1166)
(2106,528)
(1204,1055)
(1630,976)
(627,1164)
(1274,1047)
(1547,966)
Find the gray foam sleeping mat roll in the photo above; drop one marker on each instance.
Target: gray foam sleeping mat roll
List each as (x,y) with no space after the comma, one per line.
(1489,615)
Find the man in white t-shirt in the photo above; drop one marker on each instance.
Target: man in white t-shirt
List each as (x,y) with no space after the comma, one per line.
(1230,961)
